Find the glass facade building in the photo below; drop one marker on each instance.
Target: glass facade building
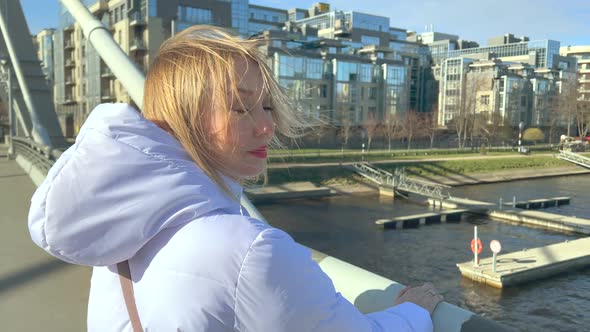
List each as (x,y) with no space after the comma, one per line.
(543,51)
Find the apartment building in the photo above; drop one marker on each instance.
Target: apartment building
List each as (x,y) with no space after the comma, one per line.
(44,42)
(354,46)
(582,55)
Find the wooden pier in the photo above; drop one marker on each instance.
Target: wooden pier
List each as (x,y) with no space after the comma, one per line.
(414,221)
(531,264)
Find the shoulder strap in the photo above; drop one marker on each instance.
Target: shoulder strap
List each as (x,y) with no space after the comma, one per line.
(127,287)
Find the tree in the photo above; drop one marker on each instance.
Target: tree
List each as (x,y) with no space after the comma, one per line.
(391,127)
(464,120)
(429,124)
(533,134)
(583,118)
(345,130)
(370,125)
(567,101)
(410,126)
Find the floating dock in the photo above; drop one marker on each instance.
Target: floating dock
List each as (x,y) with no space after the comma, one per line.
(526,217)
(542,203)
(531,264)
(414,221)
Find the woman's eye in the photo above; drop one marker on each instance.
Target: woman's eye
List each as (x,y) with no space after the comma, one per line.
(269,109)
(240,111)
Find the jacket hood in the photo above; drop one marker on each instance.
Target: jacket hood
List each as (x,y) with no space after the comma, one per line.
(123,181)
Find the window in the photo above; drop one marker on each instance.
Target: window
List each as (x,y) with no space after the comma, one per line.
(153,7)
(484,100)
(369,40)
(324,91)
(192,15)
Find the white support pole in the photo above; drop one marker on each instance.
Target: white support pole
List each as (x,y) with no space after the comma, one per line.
(110,52)
(513,202)
(475,251)
(38,131)
(10,115)
(494,266)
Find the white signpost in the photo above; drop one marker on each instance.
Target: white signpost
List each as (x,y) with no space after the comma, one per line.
(496,247)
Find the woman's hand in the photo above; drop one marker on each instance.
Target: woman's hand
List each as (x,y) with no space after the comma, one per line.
(425,296)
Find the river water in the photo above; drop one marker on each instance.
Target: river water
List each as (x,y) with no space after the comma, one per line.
(344,228)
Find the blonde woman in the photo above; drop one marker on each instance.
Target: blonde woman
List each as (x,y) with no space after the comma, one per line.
(161,190)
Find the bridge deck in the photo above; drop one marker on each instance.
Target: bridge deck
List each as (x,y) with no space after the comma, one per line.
(53,294)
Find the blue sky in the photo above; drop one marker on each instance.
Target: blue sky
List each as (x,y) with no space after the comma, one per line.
(567,21)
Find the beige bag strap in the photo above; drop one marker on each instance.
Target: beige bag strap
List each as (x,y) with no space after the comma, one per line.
(127,287)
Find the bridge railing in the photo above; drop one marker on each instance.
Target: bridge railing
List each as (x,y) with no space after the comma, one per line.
(39,155)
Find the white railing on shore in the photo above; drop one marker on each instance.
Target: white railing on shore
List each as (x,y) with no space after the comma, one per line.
(574,158)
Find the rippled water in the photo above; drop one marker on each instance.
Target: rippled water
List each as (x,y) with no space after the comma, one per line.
(344,228)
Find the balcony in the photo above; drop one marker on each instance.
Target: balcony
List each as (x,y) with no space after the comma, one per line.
(68,100)
(107,94)
(69,45)
(69,28)
(69,81)
(100,7)
(136,19)
(70,63)
(137,45)
(106,72)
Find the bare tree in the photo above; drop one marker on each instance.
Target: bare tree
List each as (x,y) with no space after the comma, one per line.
(464,123)
(583,118)
(410,126)
(370,125)
(567,102)
(345,130)
(391,127)
(553,117)
(429,124)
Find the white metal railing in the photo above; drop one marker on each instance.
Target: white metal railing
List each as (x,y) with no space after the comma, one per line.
(400,181)
(574,158)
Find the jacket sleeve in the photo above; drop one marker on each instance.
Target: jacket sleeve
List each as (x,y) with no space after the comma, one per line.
(280,288)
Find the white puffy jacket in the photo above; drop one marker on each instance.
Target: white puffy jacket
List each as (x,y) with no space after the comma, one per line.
(126,190)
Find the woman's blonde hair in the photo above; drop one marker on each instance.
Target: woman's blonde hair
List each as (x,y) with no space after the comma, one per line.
(194,75)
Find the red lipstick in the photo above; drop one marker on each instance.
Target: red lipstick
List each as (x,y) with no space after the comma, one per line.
(261,152)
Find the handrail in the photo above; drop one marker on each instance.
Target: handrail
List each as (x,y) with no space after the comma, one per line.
(38,154)
(351,281)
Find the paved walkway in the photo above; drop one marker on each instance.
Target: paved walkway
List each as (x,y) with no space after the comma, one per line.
(37,292)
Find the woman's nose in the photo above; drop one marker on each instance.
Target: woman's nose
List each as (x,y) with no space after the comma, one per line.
(265,124)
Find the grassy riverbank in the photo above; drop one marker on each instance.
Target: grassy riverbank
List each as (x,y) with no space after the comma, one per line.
(328,175)
(350,155)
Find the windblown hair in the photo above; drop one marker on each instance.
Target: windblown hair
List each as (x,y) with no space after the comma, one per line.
(193,76)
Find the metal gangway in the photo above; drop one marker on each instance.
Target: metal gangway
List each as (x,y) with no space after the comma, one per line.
(574,158)
(400,181)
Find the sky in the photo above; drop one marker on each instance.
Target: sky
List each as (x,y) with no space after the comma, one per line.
(567,21)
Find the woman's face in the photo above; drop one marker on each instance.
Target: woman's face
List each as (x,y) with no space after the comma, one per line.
(241,143)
